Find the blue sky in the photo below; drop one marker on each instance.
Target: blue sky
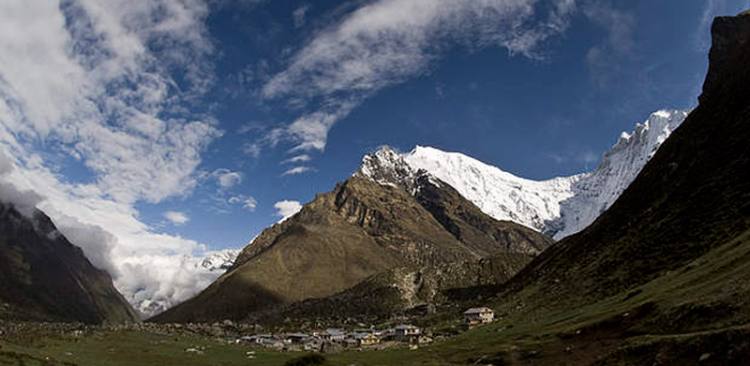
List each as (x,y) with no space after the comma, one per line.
(550,115)
(154,132)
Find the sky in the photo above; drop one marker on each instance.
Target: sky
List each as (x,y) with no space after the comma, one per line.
(159,131)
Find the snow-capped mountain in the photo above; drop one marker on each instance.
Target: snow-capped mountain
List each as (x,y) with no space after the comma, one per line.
(499,194)
(560,206)
(218,261)
(596,191)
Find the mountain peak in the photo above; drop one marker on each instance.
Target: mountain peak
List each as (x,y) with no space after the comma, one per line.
(559,206)
(729,37)
(386,166)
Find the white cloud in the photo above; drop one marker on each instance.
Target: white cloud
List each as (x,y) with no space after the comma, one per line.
(297,170)
(248,203)
(176,217)
(24,201)
(105,104)
(287,208)
(227,178)
(385,42)
(297,159)
(153,270)
(82,78)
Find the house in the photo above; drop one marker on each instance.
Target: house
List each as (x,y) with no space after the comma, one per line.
(405,331)
(365,339)
(333,335)
(296,338)
(369,339)
(476,316)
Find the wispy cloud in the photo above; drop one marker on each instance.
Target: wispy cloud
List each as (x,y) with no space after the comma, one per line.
(299,15)
(385,42)
(297,170)
(604,60)
(297,159)
(249,203)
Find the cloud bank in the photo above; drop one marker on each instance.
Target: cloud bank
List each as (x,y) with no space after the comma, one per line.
(106,85)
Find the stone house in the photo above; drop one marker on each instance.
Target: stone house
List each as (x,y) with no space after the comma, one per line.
(477,316)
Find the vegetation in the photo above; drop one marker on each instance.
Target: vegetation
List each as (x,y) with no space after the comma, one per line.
(309,360)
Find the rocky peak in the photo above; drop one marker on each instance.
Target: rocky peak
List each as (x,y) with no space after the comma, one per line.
(730,35)
(387,167)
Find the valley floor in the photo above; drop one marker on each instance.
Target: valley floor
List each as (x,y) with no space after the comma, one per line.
(495,344)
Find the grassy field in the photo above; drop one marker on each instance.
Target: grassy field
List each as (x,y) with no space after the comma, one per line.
(132,348)
(559,342)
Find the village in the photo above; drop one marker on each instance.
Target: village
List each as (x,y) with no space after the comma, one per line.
(337,339)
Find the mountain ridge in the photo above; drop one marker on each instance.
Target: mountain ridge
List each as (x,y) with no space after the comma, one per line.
(559,206)
(359,229)
(44,277)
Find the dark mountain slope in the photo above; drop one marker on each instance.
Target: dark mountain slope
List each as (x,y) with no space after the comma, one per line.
(43,277)
(360,229)
(663,276)
(691,198)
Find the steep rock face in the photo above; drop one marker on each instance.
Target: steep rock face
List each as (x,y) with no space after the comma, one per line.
(43,277)
(679,236)
(729,36)
(363,227)
(558,207)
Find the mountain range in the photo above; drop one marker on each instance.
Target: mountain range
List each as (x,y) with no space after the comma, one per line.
(561,206)
(405,213)
(385,216)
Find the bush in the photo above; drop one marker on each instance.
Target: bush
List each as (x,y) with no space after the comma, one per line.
(308,360)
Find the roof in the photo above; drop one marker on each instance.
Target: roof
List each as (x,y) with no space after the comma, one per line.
(360,335)
(334,331)
(405,326)
(297,335)
(477,310)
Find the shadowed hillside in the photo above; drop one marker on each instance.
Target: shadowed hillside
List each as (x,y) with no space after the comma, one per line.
(43,277)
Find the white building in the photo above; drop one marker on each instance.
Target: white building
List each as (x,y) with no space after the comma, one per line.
(406,331)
